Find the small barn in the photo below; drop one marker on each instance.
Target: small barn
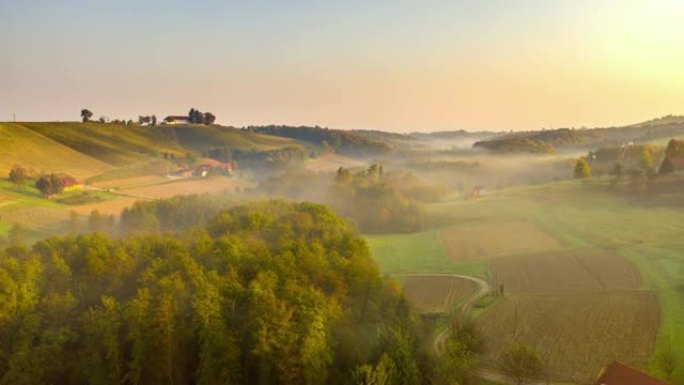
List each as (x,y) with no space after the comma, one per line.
(618,373)
(478,192)
(70,183)
(677,164)
(176,119)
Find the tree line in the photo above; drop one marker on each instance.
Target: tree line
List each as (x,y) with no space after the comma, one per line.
(194,116)
(268,293)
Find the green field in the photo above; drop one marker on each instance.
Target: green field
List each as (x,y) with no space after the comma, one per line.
(577,215)
(419,253)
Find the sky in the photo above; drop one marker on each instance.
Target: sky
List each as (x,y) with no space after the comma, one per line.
(394,65)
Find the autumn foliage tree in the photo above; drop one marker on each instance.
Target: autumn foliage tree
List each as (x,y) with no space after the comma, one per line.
(582,170)
(18,175)
(266,293)
(522,362)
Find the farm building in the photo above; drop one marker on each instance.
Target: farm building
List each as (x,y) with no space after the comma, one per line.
(620,374)
(176,119)
(208,167)
(677,164)
(70,183)
(212,163)
(478,192)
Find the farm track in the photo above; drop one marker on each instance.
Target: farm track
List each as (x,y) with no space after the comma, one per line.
(484,288)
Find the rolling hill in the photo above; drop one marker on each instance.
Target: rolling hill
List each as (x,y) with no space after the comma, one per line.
(584,139)
(28,148)
(103,151)
(203,138)
(348,143)
(116,144)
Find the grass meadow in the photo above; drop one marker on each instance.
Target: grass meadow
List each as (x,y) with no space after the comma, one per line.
(578,216)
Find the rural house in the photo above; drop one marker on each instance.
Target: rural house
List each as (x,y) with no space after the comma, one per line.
(208,167)
(620,374)
(176,119)
(478,192)
(70,183)
(678,164)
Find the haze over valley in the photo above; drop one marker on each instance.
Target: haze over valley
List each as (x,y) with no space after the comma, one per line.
(356,194)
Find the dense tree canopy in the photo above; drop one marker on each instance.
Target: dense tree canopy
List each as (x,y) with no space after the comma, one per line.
(49,184)
(268,293)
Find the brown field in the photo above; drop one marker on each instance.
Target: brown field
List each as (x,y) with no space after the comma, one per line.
(577,334)
(110,207)
(435,293)
(585,270)
(188,187)
(488,240)
(132,182)
(42,218)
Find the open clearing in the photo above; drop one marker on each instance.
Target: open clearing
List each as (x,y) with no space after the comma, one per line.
(487,240)
(188,187)
(112,207)
(419,253)
(131,182)
(437,293)
(582,270)
(576,334)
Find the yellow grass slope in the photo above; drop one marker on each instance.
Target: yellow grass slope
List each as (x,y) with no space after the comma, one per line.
(116,144)
(21,146)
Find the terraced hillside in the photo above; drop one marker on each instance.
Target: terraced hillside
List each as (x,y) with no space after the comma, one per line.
(29,148)
(116,144)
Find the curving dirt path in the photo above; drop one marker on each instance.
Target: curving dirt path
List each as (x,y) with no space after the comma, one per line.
(485,374)
(484,288)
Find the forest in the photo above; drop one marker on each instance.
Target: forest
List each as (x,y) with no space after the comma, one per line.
(268,293)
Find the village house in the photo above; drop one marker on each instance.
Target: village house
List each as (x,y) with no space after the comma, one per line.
(620,374)
(206,168)
(677,164)
(176,119)
(69,183)
(478,192)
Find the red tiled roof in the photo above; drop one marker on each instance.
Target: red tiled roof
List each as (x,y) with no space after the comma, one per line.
(67,181)
(677,162)
(620,374)
(215,163)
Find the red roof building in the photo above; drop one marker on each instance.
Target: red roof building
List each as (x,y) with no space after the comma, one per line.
(68,181)
(677,163)
(208,162)
(620,374)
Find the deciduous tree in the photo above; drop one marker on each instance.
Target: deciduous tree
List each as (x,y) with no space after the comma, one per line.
(582,170)
(18,175)
(86,114)
(521,362)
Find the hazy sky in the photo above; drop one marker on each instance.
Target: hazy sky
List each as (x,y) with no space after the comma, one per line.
(393,65)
